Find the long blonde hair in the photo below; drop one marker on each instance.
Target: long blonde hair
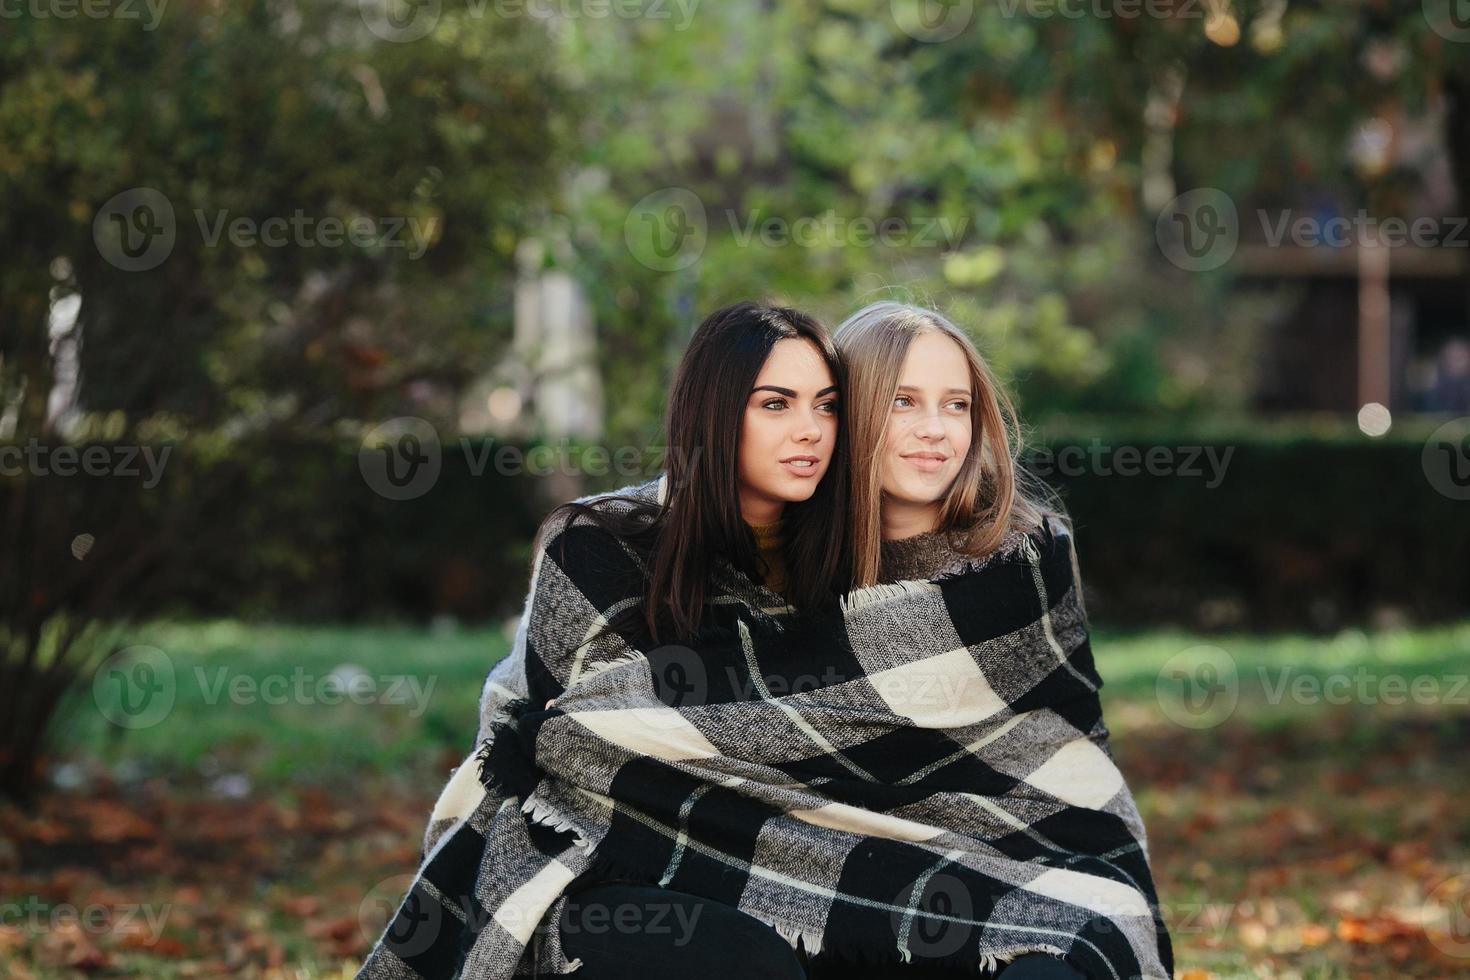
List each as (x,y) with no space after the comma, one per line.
(991,496)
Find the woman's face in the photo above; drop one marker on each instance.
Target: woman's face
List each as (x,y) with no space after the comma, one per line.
(928,424)
(788,432)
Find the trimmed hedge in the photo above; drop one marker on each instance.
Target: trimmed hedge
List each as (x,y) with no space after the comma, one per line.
(1302,528)
(1311,528)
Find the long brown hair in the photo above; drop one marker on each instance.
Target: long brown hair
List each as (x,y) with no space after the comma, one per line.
(992,494)
(699,523)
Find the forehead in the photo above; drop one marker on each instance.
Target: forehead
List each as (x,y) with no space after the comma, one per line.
(795,362)
(935,360)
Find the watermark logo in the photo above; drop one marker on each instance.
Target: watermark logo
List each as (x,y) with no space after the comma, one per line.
(400,20)
(1449,904)
(1446,459)
(667,230)
(1198,687)
(938,920)
(408,927)
(932,21)
(135,687)
(1450,19)
(401,458)
(135,230)
(679,677)
(1199,230)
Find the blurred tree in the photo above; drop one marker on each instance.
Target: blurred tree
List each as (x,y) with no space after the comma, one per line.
(231,220)
(1042,145)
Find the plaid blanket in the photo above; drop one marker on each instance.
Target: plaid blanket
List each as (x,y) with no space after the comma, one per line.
(919,775)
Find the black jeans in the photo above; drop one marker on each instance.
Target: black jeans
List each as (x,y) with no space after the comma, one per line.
(626,931)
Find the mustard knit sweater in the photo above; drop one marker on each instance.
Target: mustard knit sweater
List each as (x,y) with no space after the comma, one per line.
(769,542)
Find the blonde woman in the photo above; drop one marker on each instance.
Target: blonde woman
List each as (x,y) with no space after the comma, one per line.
(936,434)
(946,525)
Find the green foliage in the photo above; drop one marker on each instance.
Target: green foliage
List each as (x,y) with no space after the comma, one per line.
(251,112)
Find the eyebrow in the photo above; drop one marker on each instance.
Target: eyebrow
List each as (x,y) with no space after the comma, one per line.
(791,394)
(947,391)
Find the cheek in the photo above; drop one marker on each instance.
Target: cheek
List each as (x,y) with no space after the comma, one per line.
(891,464)
(897,436)
(961,436)
(748,437)
(755,440)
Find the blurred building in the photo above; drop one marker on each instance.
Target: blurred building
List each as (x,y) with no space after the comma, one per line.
(549,384)
(1368,322)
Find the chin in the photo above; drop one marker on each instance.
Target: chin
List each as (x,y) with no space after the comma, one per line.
(797,494)
(922,494)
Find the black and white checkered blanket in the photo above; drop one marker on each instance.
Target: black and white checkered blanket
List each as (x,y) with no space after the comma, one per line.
(922,775)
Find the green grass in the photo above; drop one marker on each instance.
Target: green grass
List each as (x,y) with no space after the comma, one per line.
(306,739)
(1290,837)
(1438,658)
(257,699)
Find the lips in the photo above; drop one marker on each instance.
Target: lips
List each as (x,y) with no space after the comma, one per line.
(928,462)
(804,466)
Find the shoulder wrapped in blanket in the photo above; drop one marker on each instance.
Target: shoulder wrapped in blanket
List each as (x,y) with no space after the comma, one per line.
(920,775)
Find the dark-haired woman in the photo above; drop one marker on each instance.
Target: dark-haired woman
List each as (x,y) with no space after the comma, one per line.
(756,474)
(748,510)
(747,516)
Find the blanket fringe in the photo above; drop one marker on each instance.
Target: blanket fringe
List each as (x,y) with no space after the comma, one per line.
(984,965)
(882,592)
(543,813)
(992,962)
(811,942)
(636,657)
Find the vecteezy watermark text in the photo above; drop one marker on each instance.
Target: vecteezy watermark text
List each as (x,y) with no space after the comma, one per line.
(402,458)
(35,459)
(137,230)
(1103,460)
(86,9)
(307,231)
(308,689)
(403,21)
(1339,231)
(127,918)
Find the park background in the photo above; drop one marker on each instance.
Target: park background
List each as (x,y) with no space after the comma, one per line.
(309,311)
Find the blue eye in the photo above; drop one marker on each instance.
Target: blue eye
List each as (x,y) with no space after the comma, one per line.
(774,402)
(902,398)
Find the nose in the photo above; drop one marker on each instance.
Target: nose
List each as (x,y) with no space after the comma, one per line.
(809,429)
(929,428)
